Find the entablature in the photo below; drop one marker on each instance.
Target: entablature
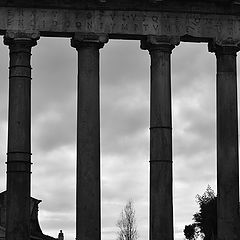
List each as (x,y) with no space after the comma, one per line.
(121,24)
(193,6)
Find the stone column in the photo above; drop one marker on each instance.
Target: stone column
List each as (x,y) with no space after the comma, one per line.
(88,137)
(227,141)
(161,199)
(19,136)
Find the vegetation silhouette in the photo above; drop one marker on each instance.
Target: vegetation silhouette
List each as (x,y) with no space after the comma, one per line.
(205,221)
(127,223)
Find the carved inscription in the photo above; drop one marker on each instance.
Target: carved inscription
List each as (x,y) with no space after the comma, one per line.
(10,18)
(131,23)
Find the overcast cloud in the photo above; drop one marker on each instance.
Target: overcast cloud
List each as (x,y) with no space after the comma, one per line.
(124,131)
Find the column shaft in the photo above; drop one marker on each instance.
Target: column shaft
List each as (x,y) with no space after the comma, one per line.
(88,142)
(161,198)
(227,145)
(161,208)
(19,139)
(88,145)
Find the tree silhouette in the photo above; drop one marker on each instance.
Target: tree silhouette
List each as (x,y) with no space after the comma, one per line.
(206,218)
(127,223)
(189,231)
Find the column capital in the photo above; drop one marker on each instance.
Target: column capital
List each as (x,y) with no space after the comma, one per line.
(11,37)
(88,40)
(224,47)
(163,43)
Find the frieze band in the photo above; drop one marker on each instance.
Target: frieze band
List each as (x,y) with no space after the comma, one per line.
(64,22)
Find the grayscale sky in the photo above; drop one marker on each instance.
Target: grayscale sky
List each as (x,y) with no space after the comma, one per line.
(124,131)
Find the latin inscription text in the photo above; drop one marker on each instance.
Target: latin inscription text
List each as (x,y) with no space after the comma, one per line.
(120,22)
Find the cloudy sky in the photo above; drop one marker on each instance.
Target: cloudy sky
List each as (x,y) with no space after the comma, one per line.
(124,131)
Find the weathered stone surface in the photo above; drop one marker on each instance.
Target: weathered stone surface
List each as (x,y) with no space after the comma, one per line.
(88,222)
(207,6)
(227,142)
(125,24)
(19,138)
(161,199)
